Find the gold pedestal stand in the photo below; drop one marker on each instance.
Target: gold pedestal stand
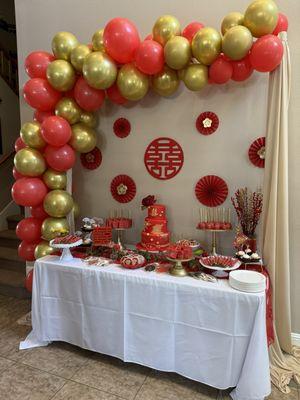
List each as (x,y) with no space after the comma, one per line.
(120,236)
(214,233)
(178,269)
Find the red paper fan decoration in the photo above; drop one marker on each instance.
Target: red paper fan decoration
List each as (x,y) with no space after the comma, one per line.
(163,158)
(207,123)
(123,188)
(211,190)
(92,159)
(122,127)
(257,151)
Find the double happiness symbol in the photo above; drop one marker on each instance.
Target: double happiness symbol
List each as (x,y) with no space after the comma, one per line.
(163,158)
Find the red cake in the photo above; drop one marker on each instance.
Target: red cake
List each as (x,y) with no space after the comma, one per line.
(155,235)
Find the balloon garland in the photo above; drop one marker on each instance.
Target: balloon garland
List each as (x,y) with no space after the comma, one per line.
(66,88)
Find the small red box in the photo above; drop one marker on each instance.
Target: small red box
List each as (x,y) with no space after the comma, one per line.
(102,236)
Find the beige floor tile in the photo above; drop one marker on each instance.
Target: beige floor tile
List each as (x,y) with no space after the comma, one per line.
(5,363)
(76,391)
(277,395)
(21,382)
(113,376)
(61,359)
(169,386)
(12,309)
(10,338)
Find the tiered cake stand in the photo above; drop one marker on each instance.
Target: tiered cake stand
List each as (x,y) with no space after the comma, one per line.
(178,269)
(66,254)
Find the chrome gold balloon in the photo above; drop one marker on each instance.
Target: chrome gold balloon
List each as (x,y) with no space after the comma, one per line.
(76,209)
(89,119)
(261,17)
(206,45)
(132,83)
(68,109)
(83,139)
(61,75)
(99,70)
(31,135)
(53,227)
(165,28)
(97,41)
(232,19)
(62,45)
(30,162)
(166,82)
(195,77)
(54,179)
(58,203)
(43,249)
(78,55)
(177,52)
(237,42)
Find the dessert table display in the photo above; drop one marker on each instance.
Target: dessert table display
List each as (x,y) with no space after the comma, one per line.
(206,331)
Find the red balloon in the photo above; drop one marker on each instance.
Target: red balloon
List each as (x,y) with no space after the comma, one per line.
(121,39)
(60,158)
(114,95)
(56,131)
(242,69)
(220,71)
(39,94)
(29,280)
(149,37)
(36,64)
(191,29)
(17,174)
(39,212)
(26,250)
(19,144)
(40,116)
(88,98)
(29,229)
(70,93)
(29,191)
(282,24)
(266,53)
(149,57)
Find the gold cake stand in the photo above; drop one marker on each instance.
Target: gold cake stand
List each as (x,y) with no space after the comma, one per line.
(178,269)
(214,233)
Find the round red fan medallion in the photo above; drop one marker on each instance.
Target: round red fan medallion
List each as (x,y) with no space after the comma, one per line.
(123,188)
(163,158)
(211,190)
(207,123)
(92,159)
(122,127)
(257,151)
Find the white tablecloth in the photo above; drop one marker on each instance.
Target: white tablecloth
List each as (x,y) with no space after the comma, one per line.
(207,332)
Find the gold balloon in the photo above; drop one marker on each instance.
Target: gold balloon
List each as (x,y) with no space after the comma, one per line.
(99,70)
(165,83)
(206,45)
(237,42)
(30,162)
(97,41)
(165,28)
(43,249)
(31,135)
(195,76)
(58,203)
(83,139)
(78,55)
(68,109)
(132,83)
(76,209)
(261,17)
(181,73)
(177,52)
(89,119)
(61,75)
(55,179)
(232,19)
(53,227)
(62,45)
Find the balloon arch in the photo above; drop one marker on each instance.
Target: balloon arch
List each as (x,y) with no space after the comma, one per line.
(66,88)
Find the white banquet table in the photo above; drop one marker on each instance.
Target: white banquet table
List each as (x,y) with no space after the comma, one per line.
(205,331)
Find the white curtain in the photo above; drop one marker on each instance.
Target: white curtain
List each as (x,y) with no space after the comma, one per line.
(276,223)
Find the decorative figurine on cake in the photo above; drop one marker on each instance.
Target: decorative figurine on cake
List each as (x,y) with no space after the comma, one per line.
(155,235)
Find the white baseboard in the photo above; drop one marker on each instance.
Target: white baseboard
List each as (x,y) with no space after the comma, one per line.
(296,339)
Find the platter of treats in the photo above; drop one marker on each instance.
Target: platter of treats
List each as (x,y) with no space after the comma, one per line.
(214,226)
(97,261)
(220,263)
(62,242)
(119,223)
(214,220)
(133,261)
(189,242)
(248,256)
(180,252)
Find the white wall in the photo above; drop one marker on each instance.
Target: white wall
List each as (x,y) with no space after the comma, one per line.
(241,108)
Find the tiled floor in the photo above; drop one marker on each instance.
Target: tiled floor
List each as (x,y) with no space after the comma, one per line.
(64,372)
